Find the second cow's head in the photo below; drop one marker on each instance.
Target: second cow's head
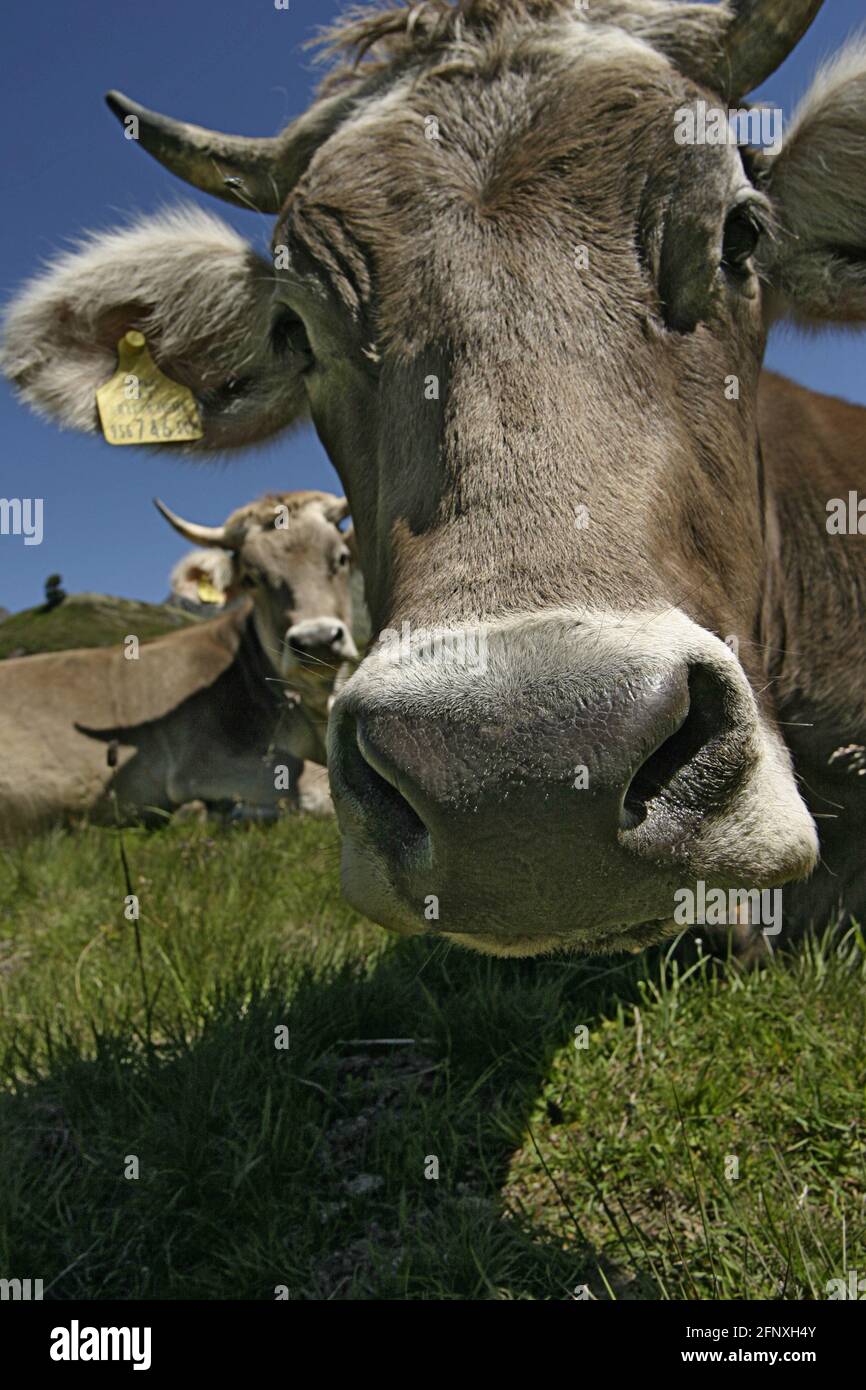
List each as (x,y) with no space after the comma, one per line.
(287,553)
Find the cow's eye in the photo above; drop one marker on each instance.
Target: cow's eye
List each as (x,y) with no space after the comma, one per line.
(343,559)
(288,335)
(743,231)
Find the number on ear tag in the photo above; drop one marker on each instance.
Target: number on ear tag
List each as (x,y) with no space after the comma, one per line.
(141,405)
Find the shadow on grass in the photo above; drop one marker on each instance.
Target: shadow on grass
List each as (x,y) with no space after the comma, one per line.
(363,1160)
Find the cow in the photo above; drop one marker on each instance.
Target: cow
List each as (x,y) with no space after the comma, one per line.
(230,713)
(201,583)
(617,653)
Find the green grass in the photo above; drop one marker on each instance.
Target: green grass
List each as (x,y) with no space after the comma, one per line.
(305,1167)
(87,620)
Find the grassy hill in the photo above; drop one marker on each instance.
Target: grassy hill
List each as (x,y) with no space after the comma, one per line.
(86,620)
(285,1075)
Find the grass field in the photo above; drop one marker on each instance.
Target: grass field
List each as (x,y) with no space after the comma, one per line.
(260,1167)
(87,620)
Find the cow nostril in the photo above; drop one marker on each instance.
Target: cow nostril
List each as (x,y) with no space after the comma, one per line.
(706,721)
(375,785)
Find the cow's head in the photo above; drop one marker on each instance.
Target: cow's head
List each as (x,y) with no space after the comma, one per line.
(528,319)
(287,552)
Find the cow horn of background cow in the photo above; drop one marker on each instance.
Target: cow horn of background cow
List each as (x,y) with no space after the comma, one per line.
(758,39)
(200,535)
(251,173)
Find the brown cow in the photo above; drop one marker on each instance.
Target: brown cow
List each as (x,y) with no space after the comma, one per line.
(618,646)
(231,713)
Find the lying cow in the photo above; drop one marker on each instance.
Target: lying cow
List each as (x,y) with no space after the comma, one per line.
(230,713)
(201,584)
(530,333)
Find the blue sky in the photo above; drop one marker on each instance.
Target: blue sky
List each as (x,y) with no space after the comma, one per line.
(234,65)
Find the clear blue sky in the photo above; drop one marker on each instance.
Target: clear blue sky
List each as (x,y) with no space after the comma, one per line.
(234,65)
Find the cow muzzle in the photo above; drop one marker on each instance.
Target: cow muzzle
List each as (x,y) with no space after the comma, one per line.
(558,782)
(320,646)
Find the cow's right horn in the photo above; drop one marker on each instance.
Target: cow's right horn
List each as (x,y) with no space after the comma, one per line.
(251,173)
(200,535)
(234,167)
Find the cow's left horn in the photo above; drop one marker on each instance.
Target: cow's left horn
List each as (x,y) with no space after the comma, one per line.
(758,39)
(199,535)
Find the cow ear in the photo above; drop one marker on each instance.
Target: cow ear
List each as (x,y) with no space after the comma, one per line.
(337,511)
(202,299)
(206,577)
(816,264)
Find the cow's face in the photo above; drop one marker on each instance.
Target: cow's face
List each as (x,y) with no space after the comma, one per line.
(537,367)
(536,370)
(287,552)
(528,323)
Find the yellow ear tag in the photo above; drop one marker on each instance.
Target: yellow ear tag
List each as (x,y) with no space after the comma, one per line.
(208,594)
(141,405)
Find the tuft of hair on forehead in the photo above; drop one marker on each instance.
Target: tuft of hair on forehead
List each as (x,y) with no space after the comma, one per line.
(264,509)
(369,38)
